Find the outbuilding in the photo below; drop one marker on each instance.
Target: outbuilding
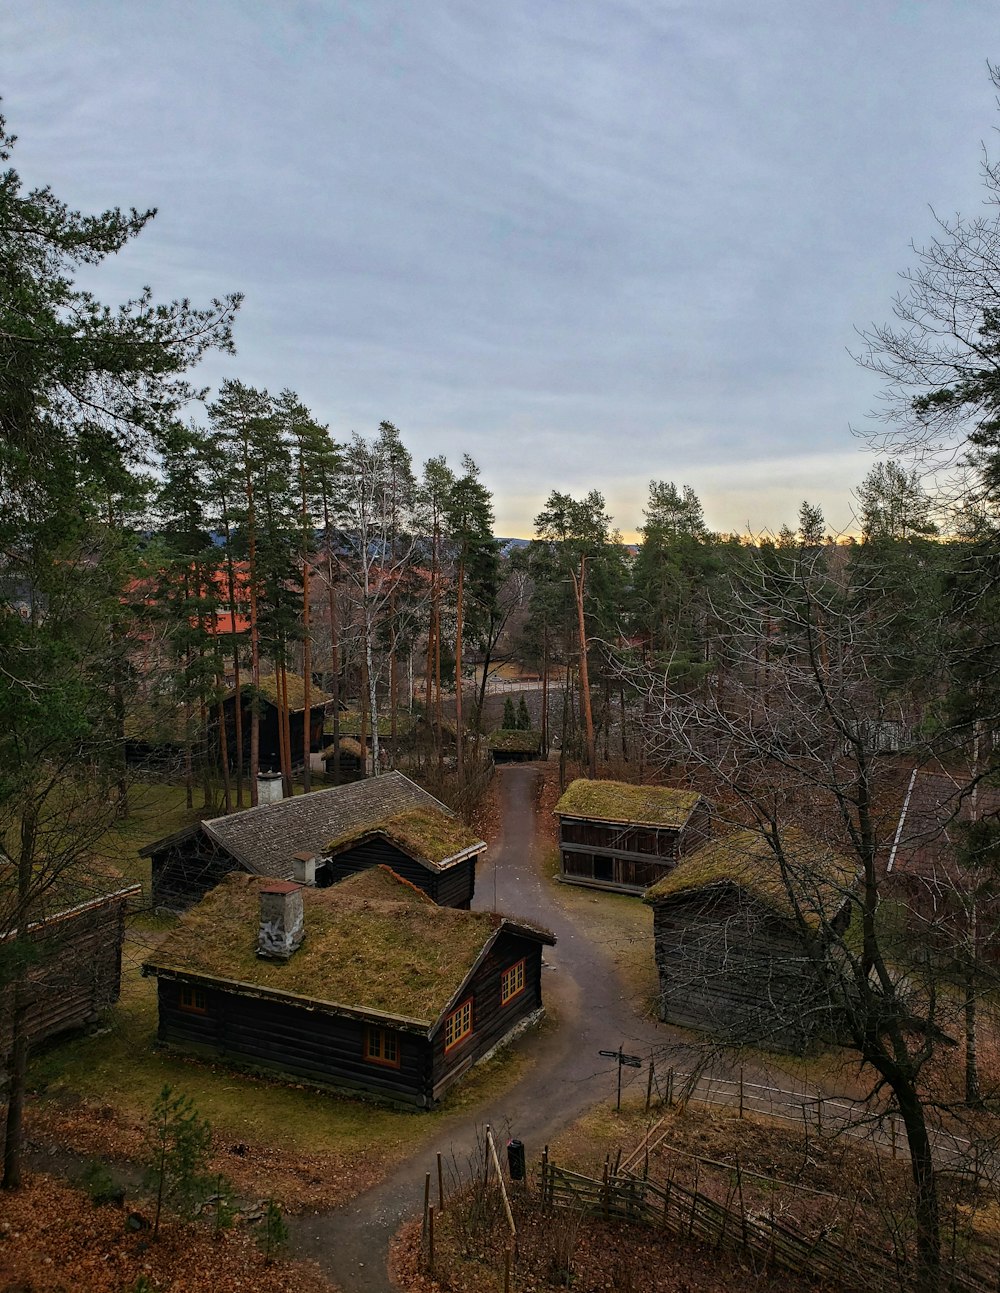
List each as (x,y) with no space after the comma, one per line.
(613,835)
(366,987)
(387,819)
(740,933)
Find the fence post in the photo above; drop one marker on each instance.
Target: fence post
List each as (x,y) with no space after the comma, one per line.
(440,1186)
(430,1232)
(545,1169)
(670,1088)
(506,1270)
(741,1090)
(427,1204)
(649,1086)
(819,1114)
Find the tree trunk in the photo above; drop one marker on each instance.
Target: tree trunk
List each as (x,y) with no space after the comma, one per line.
(459,748)
(306,675)
(588,716)
(926,1210)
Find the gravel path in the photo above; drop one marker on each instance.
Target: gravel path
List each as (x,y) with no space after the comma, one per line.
(566,1077)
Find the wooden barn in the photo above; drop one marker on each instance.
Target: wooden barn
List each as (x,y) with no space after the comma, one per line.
(946,890)
(266,700)
(734,958)
(77,960)
(387,819)
(617,836)
(366,987)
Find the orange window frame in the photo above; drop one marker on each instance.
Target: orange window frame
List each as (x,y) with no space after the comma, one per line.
(512,982)
(382,1046)
(458,1025)
(192,999)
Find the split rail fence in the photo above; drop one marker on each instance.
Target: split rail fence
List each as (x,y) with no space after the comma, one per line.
(849,1262)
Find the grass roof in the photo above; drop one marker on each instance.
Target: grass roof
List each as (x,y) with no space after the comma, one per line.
(371,942)
(350,723)
(268,688)
(819,878)
(511,740)
(348,745)
(424,833)
(616,801)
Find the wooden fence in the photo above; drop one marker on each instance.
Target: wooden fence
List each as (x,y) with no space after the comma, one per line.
(843,1256)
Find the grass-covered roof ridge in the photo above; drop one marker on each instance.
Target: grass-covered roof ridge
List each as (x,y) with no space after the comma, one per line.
(515,740)
(423,832)
(268,685)
(618,801)
(371,943)
(819,877)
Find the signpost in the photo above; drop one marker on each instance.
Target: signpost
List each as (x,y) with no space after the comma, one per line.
(624,1061)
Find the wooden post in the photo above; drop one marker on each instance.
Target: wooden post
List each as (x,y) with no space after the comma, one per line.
(670,1087)
(618,1159)
(743,1211)
(430,1263)
(649,1086)
(427,1204)
(819,1114)
(741,1091)
(545,1172)
(506,1270)
(440,1186)
(606,1200)
(892,1134)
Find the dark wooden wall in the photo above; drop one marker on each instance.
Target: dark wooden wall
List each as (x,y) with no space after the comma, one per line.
(453,887)
(281,1037)
(730,967)
(183,872)
(76,975)
(490,1020)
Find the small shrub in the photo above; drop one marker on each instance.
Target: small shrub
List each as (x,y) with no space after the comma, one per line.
(273,1234)
(177,1143)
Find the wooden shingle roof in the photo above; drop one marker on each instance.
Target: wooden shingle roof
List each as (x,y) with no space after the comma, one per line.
(264,840)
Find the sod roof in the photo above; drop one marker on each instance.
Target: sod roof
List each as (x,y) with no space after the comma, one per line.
(616,801)
(268,689)
(372,943)
(425,833)
(819,878)
(512,740)
(350,723)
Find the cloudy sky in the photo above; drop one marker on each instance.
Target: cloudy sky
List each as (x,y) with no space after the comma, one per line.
(590,242)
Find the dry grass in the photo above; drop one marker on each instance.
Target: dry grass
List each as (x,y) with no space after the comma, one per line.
(617,801)
(405,957)
(424,833)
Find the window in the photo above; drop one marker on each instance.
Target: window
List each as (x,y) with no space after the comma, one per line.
(193,999)
(458,1025)
(382,1046)
(511,982)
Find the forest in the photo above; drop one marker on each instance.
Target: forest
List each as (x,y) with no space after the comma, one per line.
(164,550)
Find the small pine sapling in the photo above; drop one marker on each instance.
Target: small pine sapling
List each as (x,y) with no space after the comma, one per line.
(523,717)
(509,717)
(273,1235)
(177,1144)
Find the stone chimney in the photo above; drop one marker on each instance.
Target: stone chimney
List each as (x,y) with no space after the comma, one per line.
(304,868)
(282,924)
(269,788)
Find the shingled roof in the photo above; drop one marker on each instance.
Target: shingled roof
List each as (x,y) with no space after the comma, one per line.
(265,839)
(373,943)
(930,835)
(617,801)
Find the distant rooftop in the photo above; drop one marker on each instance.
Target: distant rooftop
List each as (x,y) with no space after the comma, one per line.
(617,801)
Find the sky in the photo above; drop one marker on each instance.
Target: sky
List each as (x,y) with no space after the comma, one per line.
(592,243)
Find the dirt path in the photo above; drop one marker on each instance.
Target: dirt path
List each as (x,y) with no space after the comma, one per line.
(566,1076)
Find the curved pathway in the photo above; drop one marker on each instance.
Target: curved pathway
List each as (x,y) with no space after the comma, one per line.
(566,1077)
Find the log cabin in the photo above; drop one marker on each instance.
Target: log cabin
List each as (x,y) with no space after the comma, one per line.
(265,698)
(387,819)
(366,987)
(623,837)
(76,968)
(736,938)
(514,745)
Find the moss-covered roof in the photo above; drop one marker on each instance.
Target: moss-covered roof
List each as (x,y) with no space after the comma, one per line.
(616,801)
(348,745)
(268,689)
(55,891)
(819,878)
(371,943)
(350,723)
(423,832)
(512,740)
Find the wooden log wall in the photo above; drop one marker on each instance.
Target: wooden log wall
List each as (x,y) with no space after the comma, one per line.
(729,967)
(309,1045)
(491,1021)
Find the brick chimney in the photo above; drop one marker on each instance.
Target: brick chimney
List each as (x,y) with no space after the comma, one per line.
(304,868)
(282,924)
